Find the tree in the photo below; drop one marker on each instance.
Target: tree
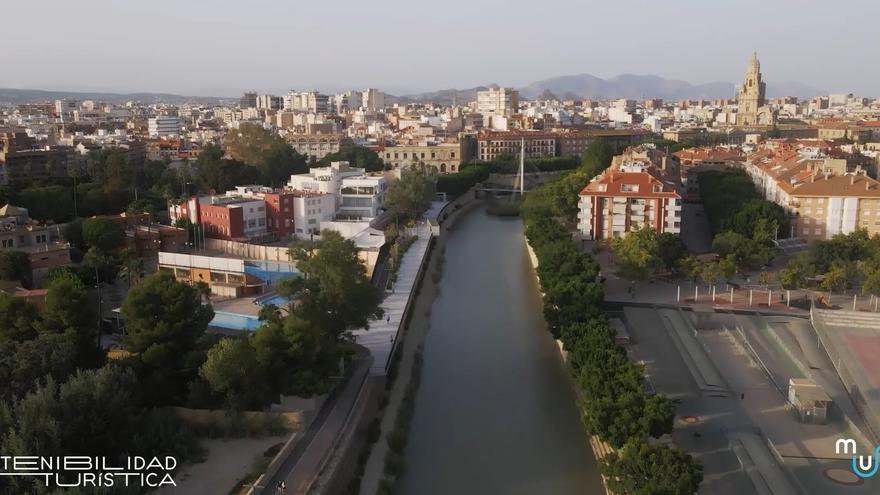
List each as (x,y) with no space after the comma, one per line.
(333,292)
(690,267)
(727,266)
(103,234)
(597,157)
(164,320)
(670,249)
(295,356)
(795,274)
(18,319)
(642,468)
(74,235)
(70,311)
(219,174)
(16,265)
(637,253)
(279,161)
(411,195)
(25,363)
(764,278)
(357,156)
(711,273)
(248,142)
(232,370)
(94,413)
(840,276)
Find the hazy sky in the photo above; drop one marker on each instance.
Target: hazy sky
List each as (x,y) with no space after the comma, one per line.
(223,47)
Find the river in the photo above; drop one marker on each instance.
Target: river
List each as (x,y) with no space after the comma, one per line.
(495,413)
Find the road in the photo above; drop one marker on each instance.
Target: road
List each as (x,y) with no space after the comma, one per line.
(304,463)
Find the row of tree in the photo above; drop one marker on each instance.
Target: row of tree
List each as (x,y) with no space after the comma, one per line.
(844,262)
(615,405)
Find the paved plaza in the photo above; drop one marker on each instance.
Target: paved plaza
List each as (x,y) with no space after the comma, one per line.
(730,379)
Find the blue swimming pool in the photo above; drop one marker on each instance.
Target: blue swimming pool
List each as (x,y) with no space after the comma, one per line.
(235,321)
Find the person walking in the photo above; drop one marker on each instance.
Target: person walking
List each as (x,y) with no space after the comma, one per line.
(282,487)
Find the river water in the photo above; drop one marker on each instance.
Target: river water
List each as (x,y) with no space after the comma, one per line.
(495,413)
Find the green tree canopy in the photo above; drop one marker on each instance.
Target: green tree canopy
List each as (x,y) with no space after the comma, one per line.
(15,265)
(637,254)
(333,292)
(357,156)
(232,370)
(411,195)
(642,468)
(164,320)
(103,234)
(18,318)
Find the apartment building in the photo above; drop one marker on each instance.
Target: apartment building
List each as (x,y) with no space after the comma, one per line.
(573,142)
(637,191)
(498,101)
(825,196)
(491,144)
(307,101)
(442,157)
(317,145)
(164,126)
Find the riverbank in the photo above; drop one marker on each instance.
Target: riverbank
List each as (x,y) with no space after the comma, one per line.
(494,412)
(413,339)
(599,448)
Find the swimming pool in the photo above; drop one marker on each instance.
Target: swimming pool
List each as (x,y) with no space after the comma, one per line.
(235,321)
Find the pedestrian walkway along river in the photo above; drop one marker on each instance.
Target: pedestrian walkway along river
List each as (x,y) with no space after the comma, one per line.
(495,413)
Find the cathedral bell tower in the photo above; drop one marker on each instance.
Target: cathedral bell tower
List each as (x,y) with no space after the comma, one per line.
(750,95)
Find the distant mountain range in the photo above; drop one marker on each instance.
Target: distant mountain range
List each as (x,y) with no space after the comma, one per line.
(16,96)
(563,87)
(623,86)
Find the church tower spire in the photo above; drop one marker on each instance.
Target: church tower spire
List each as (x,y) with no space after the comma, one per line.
(750,94)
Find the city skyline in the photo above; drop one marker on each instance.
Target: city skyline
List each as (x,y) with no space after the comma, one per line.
(213,53)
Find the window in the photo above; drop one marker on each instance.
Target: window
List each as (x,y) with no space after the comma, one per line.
(7,243)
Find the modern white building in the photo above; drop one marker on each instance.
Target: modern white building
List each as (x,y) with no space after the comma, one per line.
(309,210)
(163,126)
(357,195)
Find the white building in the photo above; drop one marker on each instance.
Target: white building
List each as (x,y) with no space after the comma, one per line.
(309,210)
(373,99)
(357,195)
(307,101)
(162,126)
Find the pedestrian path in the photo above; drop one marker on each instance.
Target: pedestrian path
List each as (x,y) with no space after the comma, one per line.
(382,333)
